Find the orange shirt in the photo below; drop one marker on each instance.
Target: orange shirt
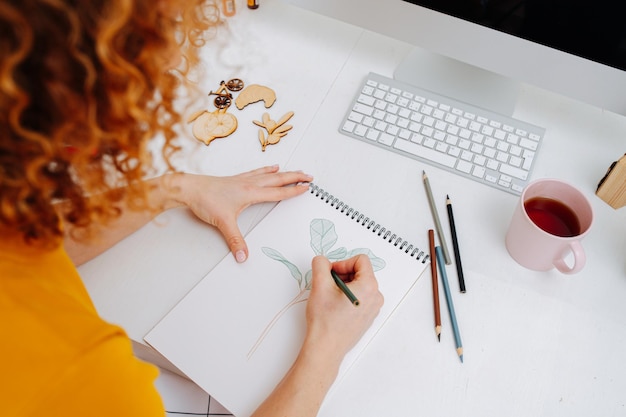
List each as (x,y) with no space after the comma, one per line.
(57,356)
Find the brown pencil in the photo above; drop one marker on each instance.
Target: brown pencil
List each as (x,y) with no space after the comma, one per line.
(433,272)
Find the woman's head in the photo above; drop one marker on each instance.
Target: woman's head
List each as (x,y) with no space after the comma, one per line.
(83,85)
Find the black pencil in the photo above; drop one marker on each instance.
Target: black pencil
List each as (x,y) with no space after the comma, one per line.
(455,245)
(342,285)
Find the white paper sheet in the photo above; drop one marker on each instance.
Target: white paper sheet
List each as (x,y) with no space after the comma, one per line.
(214,334)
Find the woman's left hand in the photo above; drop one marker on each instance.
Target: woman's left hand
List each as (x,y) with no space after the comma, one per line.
(219,200)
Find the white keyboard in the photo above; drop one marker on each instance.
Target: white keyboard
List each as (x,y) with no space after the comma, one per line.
(473,142)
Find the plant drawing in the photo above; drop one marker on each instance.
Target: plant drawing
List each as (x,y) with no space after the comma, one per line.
(323,239)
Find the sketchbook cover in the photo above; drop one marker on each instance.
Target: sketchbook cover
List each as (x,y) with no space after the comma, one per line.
(237,332)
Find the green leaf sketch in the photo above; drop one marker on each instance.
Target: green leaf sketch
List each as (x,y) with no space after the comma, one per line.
(377,263)
(323,238)
(274,254)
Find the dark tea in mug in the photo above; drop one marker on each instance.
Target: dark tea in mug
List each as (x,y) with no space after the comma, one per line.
(552,216)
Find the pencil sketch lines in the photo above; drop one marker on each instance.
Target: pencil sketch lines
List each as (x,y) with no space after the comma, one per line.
(323,239)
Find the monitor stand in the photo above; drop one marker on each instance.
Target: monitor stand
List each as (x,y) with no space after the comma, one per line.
(458,80)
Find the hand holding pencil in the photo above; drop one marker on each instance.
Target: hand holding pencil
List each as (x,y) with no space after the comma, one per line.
(331,317)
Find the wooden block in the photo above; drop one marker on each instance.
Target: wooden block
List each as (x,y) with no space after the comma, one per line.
(612,188)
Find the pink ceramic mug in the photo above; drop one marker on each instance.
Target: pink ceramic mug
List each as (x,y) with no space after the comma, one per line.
(548,223)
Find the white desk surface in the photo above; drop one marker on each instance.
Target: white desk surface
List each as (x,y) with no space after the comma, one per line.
(535,344)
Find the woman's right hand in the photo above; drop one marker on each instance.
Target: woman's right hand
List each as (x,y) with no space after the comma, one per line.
(334,324)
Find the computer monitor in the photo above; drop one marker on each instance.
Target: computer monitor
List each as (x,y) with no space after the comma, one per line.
(467,47)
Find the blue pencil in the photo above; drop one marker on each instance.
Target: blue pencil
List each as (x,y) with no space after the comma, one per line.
(446,287)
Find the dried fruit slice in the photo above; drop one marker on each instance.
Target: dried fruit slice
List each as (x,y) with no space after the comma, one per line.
(209,126)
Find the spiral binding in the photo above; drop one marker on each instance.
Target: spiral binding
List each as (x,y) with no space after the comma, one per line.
(368,223)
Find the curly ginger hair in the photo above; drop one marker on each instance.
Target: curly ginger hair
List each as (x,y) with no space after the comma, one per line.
(83,85)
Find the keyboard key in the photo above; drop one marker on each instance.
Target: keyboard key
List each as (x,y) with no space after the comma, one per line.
(372,134)
(380,104)
(405,113)
(380,125)
(379,94)
(464,166)
(528,144)
(427,131)
(386,139)
(363,109)
(416,117)
(467,156)
(417,138)
(402,102)
(404,134)
(430,143)
(379,114)
(439,135)
(513,171)
(393,130)
(502,157)
(454,151)
(490,153)
(367,100)
(493,164)
(391,98)
(430,154)
(515,161)
(392,108)
(355,117)
(391,118)
(528,161)
(348,126)
(360,130)
(453,130)
(464,144)
(490,142)
(478,171)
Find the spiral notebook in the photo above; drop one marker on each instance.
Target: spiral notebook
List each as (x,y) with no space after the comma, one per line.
(239,330)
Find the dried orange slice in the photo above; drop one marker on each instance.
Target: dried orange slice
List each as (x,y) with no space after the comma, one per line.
(208,126)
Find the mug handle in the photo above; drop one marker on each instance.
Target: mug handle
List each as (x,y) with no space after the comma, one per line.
(579,259)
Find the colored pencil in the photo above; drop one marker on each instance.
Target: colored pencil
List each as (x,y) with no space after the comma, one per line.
(446,287)
(342,285)
(433,209)
(433,273)
(455,245)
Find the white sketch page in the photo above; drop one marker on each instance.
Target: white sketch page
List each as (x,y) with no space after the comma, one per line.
(215,335)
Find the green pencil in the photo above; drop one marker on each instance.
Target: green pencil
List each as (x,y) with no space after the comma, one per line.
(342,285)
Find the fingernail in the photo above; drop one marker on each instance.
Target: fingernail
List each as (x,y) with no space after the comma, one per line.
(240,256)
